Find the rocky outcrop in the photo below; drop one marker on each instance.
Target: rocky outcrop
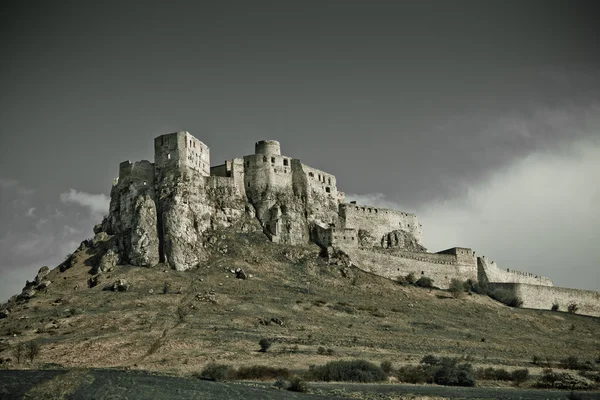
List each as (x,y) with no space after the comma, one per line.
(42,273)
(402,240)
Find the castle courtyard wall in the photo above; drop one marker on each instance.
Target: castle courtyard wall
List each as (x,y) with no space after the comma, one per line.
(440,268)
(379,221)
(542,297)
(488,272)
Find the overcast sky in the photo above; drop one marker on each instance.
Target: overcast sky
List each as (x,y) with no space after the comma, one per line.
(483,117)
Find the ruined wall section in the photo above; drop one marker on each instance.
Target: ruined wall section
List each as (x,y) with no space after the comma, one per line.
(273,187)
(182,150)
(440,268)
(488,272)
(132,214)
(322,195)
(542,297)
(378,222)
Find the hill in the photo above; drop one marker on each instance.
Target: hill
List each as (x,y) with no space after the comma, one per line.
(312,310)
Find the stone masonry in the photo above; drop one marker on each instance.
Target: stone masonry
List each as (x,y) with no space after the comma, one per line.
(162,212)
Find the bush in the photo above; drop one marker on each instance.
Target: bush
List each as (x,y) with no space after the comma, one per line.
(321,351)
(347,371)
(410,278)
(19,352)
(416,373)
(572,308)
(215,372)
(386,366)
(430,360)
(555,307)
(260,372)
(424,282)
(456,288)
(32,350)
(563,380)
(506,297)
(450,373)
(520,375)
(264,344)
(298,385)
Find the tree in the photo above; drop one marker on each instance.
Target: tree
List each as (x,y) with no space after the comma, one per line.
(264,344)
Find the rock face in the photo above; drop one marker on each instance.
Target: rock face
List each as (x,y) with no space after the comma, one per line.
(42,273)
(163,212)
(401,239)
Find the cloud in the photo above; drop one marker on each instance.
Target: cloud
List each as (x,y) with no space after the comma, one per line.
(539,214)
(97,203)
(30,213)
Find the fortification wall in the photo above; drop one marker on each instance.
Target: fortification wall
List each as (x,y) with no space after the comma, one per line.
(542,297)
(378,221)
(392,266)
(488,272)
(267,171)
(463,255)
(320,182)
(181,149)
(138,171)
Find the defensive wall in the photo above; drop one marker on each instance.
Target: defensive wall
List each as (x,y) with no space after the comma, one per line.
(378,221)
(488,271)
(441,268)
(543,297)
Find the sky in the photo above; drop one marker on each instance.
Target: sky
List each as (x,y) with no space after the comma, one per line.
(481,117)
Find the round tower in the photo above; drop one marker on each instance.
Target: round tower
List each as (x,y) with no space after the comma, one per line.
(267,147)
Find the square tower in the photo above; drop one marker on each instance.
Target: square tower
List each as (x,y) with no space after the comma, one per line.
(181,149)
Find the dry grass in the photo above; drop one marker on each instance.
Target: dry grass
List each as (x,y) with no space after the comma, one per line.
(216,317)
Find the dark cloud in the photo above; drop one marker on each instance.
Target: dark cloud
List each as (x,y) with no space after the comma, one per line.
(416,100)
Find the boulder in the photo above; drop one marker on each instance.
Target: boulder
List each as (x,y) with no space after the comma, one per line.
(4,313)
(120,286)
(109,260)
(100,237)
(42,273)
(43,285)
(28,293)
(98,228)
(240,274)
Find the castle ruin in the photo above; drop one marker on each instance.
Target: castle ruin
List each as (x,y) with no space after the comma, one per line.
(162,212)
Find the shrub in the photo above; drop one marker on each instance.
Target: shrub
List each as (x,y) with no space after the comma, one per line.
(321,350)
(181,313)
(506,297)
(165,288)
(298,385)
(260,372)
(555,307)
(430,359)
(416,373)
(456,288)
(410,278)
(347,371)
(386,366)
(536,360)
(424,282)
(572,308)
(571,362)
(32,350)
(264,344)
(520,375)
(19,352)
(563,380)
(450,373)
(215,372)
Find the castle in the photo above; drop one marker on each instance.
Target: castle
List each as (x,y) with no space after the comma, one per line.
(161,212)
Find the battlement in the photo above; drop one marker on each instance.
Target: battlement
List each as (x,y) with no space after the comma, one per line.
(489,272)
(267,147)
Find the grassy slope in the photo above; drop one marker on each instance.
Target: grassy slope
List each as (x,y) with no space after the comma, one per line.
(365,316)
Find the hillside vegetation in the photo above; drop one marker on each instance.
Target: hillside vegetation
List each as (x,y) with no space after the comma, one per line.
(310,312)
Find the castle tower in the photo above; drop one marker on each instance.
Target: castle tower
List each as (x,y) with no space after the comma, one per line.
(267,148)
(181,149)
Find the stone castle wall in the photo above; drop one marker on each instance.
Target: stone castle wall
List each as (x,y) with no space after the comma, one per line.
(378,221)
(488,271)
(161,211)
(440,268)
(542,297)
